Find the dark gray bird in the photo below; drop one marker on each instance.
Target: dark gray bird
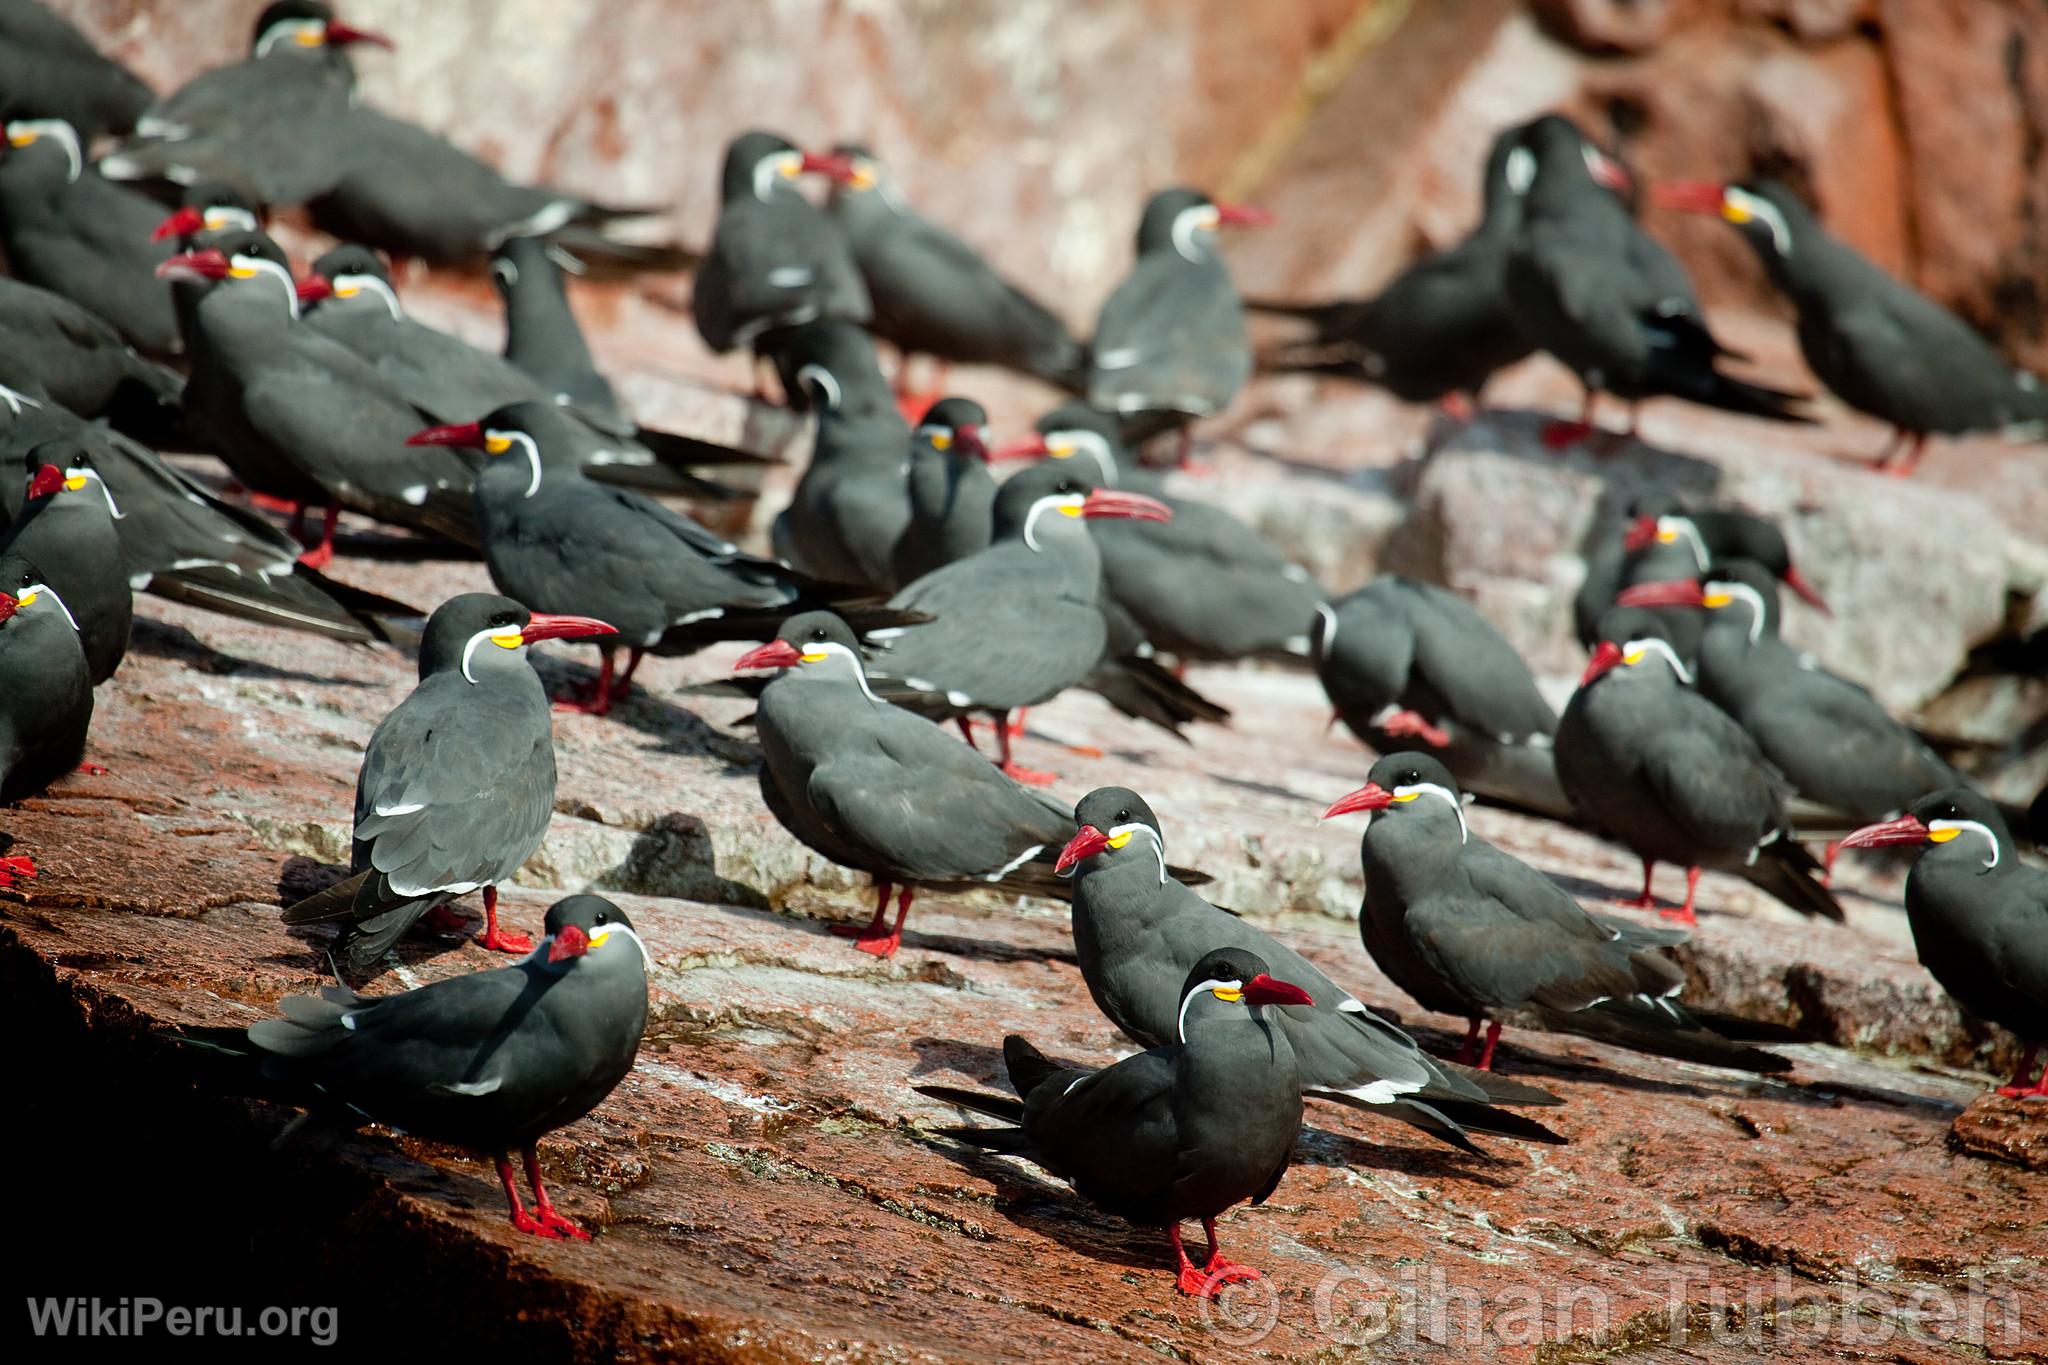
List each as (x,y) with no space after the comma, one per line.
(934,295)
(1830,738)
(45,691)
(68,229)
(180,542)
(1662,541)
(1188,1129)
(66,529)
(47,63)
(457,783)
(1469,930)
(553,538)
(850,506)
(1203,586)
(492,1060)
(1439,329)
(299,416)
(1674,777)
(1138,929)
(543,338)
(1590,287)
(1402,660)
(264,124)
(1018,623)
(54,348)
(952,494)
(775,262)
(873,787)
(1170,343)
(1880,345)
(1979,916)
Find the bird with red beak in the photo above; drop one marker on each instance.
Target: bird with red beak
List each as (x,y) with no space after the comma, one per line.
(457,785)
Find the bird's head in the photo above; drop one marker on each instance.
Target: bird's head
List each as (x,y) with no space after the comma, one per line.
(1074,429)
(481,633)
(1740,589)
(1117,827)
(587,926)
(519,441)
(243,260)
(210,207)
(1555,149)
(865,174)
(74,476)
(350,272)
(1186,221)
(1716,538)
(1765,212)
(1961,823)
(1414,786)
(814,642)
(1229,983)
(306,26)
(953,426)
(1633,643)
(40,135)
(25,598)
(759,164)
(1055,494)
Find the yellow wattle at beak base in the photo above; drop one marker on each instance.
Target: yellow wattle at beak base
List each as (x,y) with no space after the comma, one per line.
(26,599)
(508,641)
(1226,993)
(1735,213)
(1667,537)
(74,483)
(942,440)
(348,291)
(494,444)
(1934,836)
(1633,657)
(816,656)
(1716,599)
(215,221)
(242,272)
(21,139)
(597,939)
(1406,796)
(1059,450)
(1119,840)
(1070,509)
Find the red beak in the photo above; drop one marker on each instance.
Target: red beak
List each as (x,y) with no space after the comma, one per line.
(1809,594)
(314,288)
(210,264)
(1605,657)
(1372,796)
(970,441)
(1241,215)
(469,434)
(774,654)
(839,168)
(7,606)
(1086,844)
(1907,829)
(545,627)
(341,35)
(1030,447)
(1642,534)
(46,481)
(1111,502)
(1679,592)
(183,223)
(570,941)
(1609,174)
(1264,990)
(1689,196)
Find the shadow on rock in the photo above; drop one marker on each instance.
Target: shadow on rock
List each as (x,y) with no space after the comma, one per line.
(162,640)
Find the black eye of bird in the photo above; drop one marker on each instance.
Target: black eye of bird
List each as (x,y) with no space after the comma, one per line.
(818,634)
(1123,816)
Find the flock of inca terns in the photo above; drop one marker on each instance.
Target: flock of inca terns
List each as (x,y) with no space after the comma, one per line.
(909,591)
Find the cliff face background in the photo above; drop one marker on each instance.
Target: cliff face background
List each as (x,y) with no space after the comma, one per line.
(1038,126)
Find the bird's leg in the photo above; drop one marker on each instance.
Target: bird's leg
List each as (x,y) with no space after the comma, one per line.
(966,724)
(14,869)
(1492,1040)
(92,769)
(494,940)
(625,682)
(1558,435)
(873,928)
(2022,1083)
(265,502)
(543,1207)
(521,1219)
(1006,731)
(321,555)
(872,937)
(1471,1043)
(593,699)
(1827,861)
(1409,723)
(1902,464)
(1220,1269)
(1684,913)
(1646,900)
(1192,1279)
(298,512)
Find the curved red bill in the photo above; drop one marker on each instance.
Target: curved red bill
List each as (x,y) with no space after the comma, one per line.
(1606,656)
(774,654)
(1030,447)
(9,604)
(971,443)
(1114,502)
(1907,829)
(1372,796)
(1242,215)
(209,264)
(1689,196)
(47,481)
(570,941)
(1264,990)
(830,164)
(1642,534)
(1086,844)
(460,434)
(543,626)
(183,223)
(1677,592)
(341,35)
(314,288)
(1809,594)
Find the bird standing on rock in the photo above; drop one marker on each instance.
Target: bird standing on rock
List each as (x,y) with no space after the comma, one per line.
(1879,345)
(1979,916)
(1138,929)
(1467,929)
(45,692)
(1170,343)
(1189,1129)
(457,784)
(491,1060)
(1590,287)
(1673,776)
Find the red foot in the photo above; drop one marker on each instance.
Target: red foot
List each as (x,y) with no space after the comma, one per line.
(1559,435)
(558,1226)
(871,938)
(319,557)
(586,701)
(2026,1092)
(1646,901)
(526,1222)
(498,941)
(282,506)
(13,869)
(1221,1270)
(92,770)
(1682,913)
(1203,1283)
(445,919)
(1030,777)
(1408,723)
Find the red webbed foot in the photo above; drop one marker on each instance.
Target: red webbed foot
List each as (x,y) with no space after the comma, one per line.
(1408,724)
(1681,913)
(561,1227)
(527,1223)
(92,769)
(870,938)
(14,869)
(445,919)
(1030,777)
(1221,1270)
(319,557)
(499,941)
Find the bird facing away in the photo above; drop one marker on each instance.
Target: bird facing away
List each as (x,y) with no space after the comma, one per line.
(457,784)
(1188,1129)
(1663,770)
(491,1060)
(1467,929)
(1880,345)
(1979,916)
